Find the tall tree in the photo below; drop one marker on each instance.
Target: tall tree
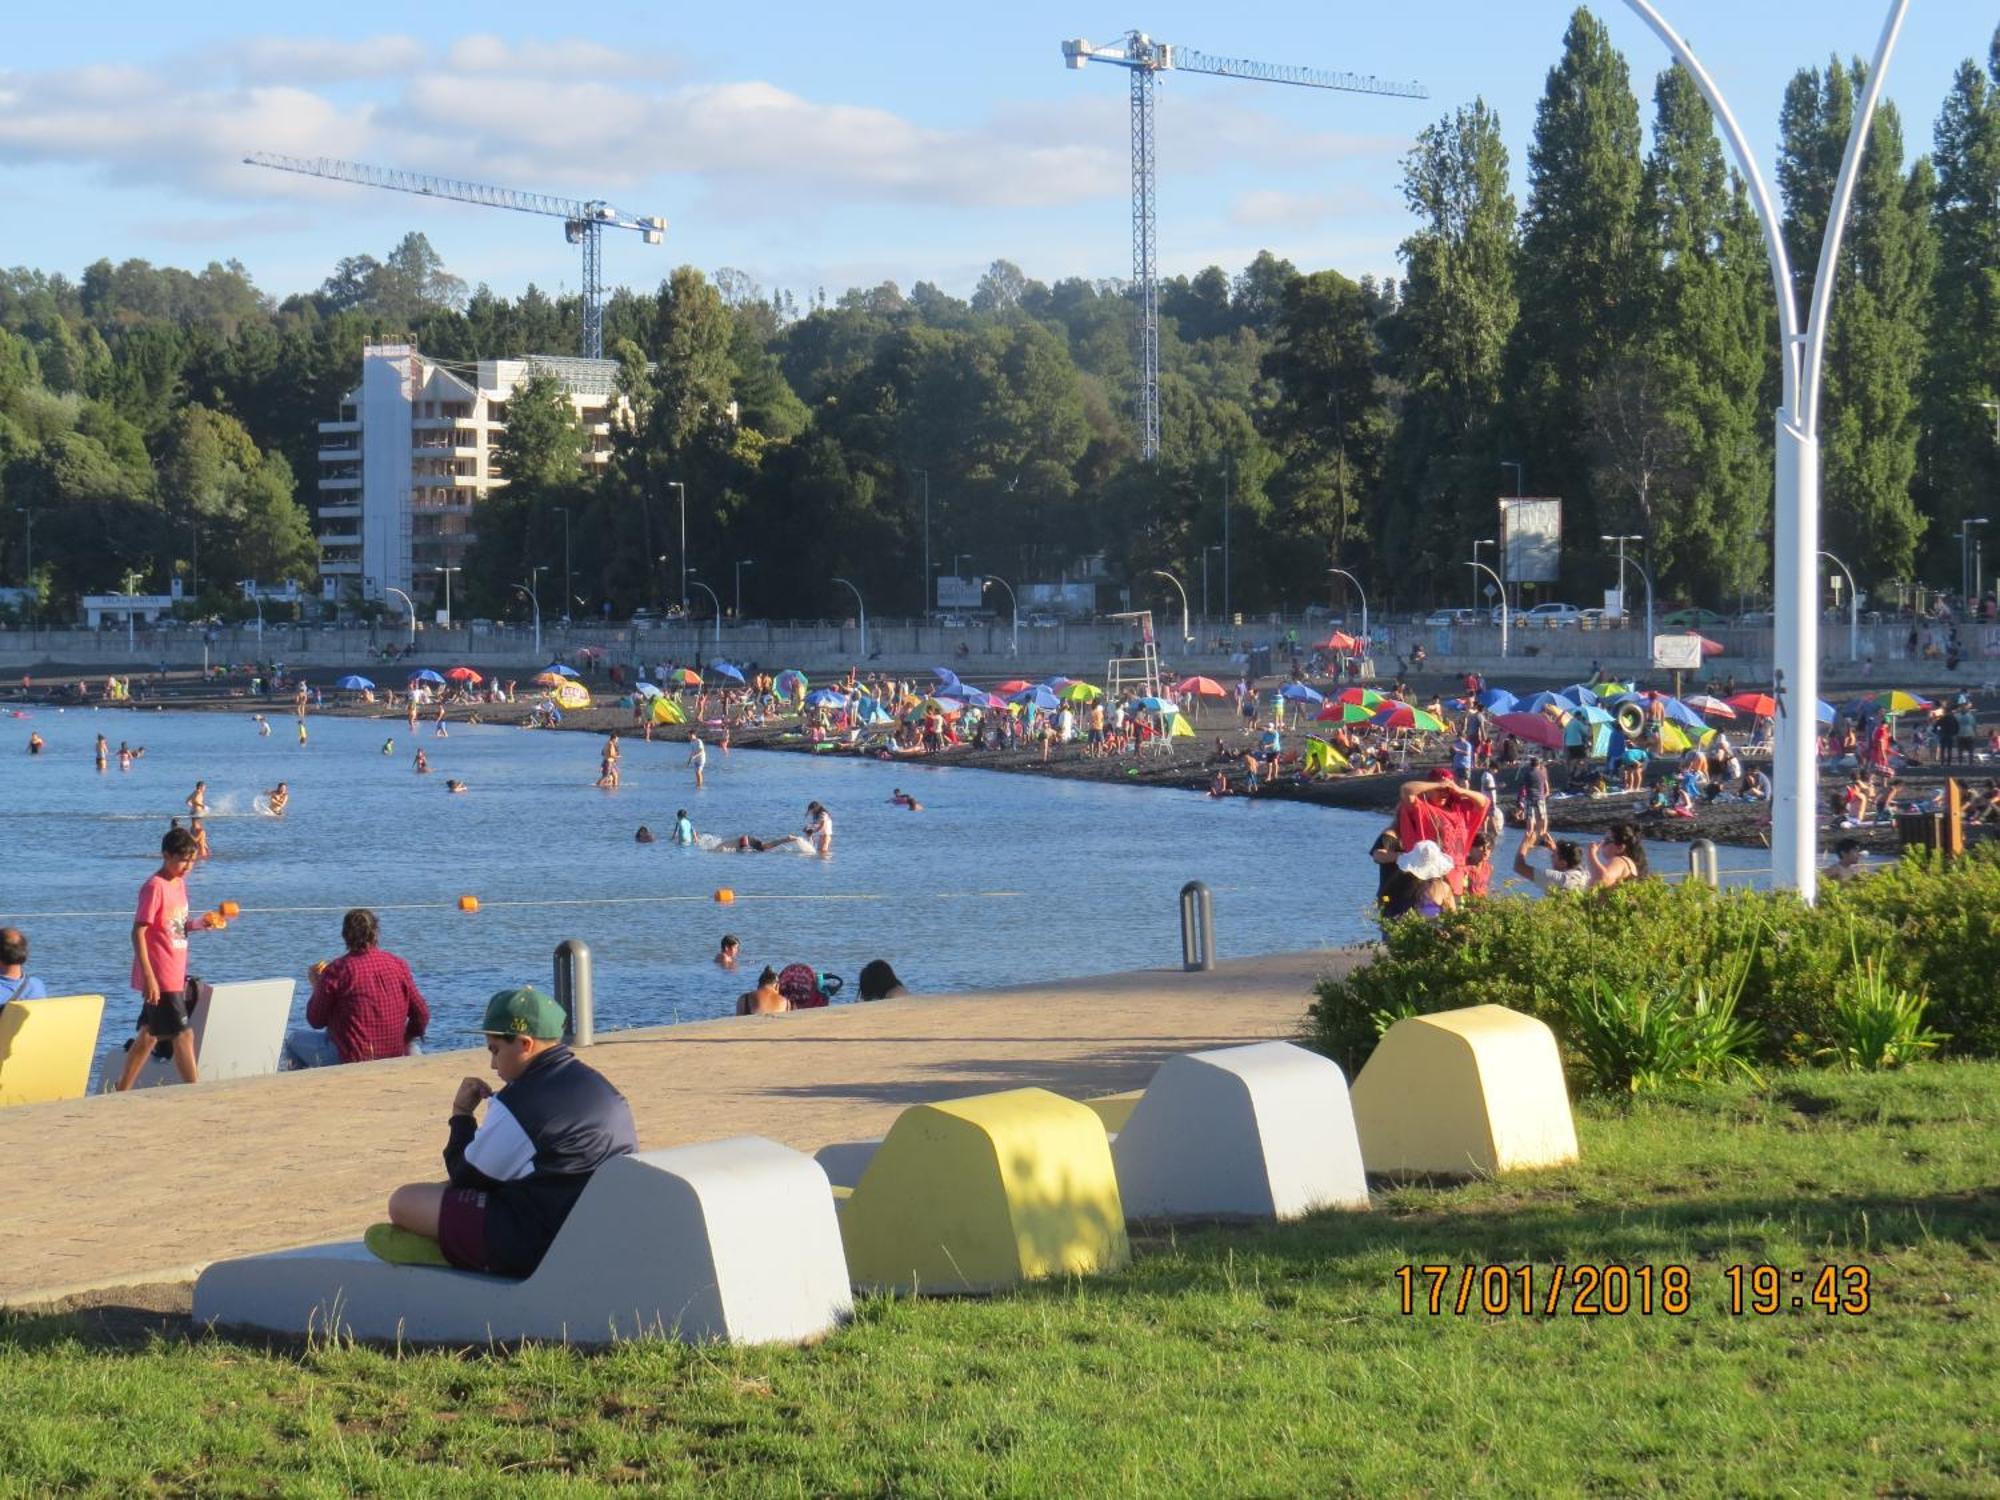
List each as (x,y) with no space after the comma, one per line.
(1579,266)
(1449,340)
(1959,453)
(1880,319)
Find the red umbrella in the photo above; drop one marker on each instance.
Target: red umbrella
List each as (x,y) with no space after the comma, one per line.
(1206,687)
(1708,647)
(1015,685)
(1757,705)
(464,674)
(1340,640)
(1538,728)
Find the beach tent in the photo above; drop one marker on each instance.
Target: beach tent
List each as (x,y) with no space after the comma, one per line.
(1321,758)
(790,683)
(572,695)
(666,711)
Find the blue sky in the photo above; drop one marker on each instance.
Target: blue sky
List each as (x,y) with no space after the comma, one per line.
(808,145)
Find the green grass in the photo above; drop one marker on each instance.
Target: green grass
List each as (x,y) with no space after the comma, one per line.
(1226,1361)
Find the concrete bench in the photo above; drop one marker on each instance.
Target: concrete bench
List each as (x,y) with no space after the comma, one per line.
(1263,1132)
(1464,1093)
(981,1194)
(239,1032)
(1114,1109)
(732,1241)
(46,1047)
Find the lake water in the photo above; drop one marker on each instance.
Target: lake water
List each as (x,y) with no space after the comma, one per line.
(1001,879)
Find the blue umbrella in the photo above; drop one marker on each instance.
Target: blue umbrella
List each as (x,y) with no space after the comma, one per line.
(352,684)
(973,697)
(1592,714)
(1680,713)
(1498,701)
(1827,712)
(1039,697)
(723,669)
(427,675)
(1540,701)
(1579,695)
(555,666)
(1298,692)
(1159,705)
(945,673)
(825,698)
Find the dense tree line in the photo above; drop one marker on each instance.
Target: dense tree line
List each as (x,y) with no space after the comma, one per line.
(1613,336)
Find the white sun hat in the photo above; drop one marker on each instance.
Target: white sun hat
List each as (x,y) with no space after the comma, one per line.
(1427,861)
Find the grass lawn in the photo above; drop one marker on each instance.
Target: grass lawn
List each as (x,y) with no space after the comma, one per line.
(1226,1361)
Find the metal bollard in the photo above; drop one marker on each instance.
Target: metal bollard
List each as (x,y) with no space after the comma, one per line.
(1197,927)
(1703,863)
(573,991)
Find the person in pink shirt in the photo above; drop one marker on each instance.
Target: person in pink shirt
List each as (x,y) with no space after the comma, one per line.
(159,960)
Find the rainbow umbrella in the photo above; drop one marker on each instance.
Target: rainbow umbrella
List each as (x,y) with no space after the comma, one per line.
(1394,715)
(685,676)
(1714,707)
(1366,697)
(789,683)
(1894,701)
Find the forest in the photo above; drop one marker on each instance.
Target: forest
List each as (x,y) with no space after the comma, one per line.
(1613,336)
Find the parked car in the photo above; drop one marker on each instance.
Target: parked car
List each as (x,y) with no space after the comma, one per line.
(1041,619)
(1451,617)
(1692,619)
(1756,617)
(1550,616)
(952,622)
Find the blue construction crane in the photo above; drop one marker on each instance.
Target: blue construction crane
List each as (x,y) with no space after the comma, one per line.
(584,222)
(1146,59)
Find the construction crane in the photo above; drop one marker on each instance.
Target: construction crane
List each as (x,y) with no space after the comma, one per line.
(1146,59)
(584,222)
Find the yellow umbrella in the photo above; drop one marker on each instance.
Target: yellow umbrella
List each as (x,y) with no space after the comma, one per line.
(666,711)
(572,695)
(1080,692)
(1672,736)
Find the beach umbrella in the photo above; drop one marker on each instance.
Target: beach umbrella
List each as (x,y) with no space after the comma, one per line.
(1080,692)
(1708,647)
(666,711)
(1826,712)
(1498,701)
(975,697)
(352,684)
(464,674)
(645,690)
(825,698)
(1537,729)
(1298,692)
(1893,701)
(944,674)
(1345,713)
(1683,713)
(723,669)
(1159,705)
(548,679)
(1757,705)
(1541,701)
(560,670)
(1340,640)
(789,683)
(1037,696)
(684,677)
(573,695)
(1715,707)
(426,675)
(1057,683)
(1579,694)
(1366,697)
(1394,715)
(1013,685)
(1204,687)
(1590,713)
(946,705)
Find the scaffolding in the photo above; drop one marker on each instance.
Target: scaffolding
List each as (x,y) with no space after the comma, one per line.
(1139,674)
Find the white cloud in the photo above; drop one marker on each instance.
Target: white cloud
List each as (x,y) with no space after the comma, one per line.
(292,59)
(1274,208)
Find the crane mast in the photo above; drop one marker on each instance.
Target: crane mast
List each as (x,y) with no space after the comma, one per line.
(1145,59)
(584,220)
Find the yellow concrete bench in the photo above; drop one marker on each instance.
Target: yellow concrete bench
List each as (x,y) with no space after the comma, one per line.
(1471,1092)
(981,1194)
(1114,1109)
(46,1047)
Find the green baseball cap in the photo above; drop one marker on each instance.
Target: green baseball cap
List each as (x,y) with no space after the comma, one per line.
(525,1011)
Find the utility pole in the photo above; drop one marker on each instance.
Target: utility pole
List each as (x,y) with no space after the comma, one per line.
(741,564)
(675,484)
(1228,466)
(1486,541)
(924,604)
(569,589)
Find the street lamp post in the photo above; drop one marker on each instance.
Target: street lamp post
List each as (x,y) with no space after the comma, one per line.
(718,611)
(249,586)
(569,585)
(1186,636)
(1968,576)
(861,614)
(132,592)
(454,568)
(409,608)
(1485,541)
(1801,351)
(925,612)
(675,484)
(741,564)
(1622,610)
(1503,604)
(1853,607)
(534,598)
(1015,648)
(1211,547)
(1358,589)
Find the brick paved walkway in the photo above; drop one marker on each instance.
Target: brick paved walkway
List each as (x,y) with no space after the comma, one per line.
(151,1186)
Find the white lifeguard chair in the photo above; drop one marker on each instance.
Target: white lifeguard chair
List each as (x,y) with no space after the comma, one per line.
(1137,674)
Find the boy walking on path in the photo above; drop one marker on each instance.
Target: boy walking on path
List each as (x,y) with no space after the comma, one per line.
(159,960)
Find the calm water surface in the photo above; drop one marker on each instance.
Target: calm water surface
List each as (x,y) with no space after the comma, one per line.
(1000,879)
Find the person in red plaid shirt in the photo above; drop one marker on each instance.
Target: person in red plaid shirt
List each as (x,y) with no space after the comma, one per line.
(365,1006)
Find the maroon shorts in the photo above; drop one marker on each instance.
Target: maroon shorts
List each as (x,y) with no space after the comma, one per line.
(462,1228)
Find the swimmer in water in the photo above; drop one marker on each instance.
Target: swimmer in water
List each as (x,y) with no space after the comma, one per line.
(103,752)
(819,829)
(901,798)
(201,849)
(683,827)
(277,798)
(421,765)
(698,759)
(124,759)
(389,746)
(302,731)
(725,956)
(644,835)
(35,743)
(439,732)
(197,800)
(453,784)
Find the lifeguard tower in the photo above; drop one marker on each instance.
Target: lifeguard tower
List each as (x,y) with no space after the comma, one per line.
(1138,674)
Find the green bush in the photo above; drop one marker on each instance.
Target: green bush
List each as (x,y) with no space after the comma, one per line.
(1927,926)
(1640,1040)
(1877,1025)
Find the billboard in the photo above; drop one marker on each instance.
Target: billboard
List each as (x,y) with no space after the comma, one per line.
(1530,540)
(1677,653)
(961,593)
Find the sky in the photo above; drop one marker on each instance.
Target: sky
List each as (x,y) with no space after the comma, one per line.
(809,146)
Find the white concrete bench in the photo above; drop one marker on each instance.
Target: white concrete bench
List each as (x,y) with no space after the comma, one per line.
(239,1032)
(1264,1132)
(732,1241)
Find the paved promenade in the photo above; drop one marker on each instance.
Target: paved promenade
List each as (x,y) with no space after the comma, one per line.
(151,1186)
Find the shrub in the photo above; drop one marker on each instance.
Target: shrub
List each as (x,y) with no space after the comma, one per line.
(1875,1024)
(1938,925)
(1636,1041)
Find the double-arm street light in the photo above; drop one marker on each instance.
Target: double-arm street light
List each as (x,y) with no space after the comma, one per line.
(861,614)
(1619,542)
(1186,635)
(1015,648)
(1363,593)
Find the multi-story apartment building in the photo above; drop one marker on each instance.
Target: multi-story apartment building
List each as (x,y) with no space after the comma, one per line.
(413,452)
